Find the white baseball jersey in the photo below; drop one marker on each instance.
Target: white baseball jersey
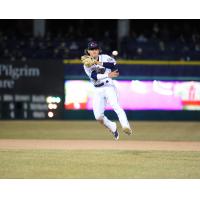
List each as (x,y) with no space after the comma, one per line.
(109,65)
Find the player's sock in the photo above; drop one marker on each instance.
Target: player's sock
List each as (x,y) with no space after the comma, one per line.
(109,124)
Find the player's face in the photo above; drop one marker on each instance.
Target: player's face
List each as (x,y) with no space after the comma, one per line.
(94,53)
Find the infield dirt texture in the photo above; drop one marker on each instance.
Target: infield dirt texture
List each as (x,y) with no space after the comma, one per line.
(84,149)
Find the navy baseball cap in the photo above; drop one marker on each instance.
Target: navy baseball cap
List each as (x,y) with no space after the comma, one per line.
(93,45)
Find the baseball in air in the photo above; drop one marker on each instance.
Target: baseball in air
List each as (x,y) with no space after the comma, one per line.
(115,53)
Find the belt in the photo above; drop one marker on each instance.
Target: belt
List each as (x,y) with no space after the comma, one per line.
(101,84)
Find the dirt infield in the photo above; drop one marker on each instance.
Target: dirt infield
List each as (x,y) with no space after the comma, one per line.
(99,145)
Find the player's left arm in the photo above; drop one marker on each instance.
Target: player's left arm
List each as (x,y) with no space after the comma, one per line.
(110,63)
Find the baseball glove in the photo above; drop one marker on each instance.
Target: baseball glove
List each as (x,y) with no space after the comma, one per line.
(88,61)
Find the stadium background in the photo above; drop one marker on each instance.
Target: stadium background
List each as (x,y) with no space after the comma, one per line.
(42,79)
(148,51)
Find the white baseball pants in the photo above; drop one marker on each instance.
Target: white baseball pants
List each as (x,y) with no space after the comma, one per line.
(102,96)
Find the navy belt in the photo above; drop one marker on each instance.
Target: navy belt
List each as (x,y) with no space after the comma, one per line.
(101,84)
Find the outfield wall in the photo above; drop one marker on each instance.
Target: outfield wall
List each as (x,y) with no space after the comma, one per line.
(26,85)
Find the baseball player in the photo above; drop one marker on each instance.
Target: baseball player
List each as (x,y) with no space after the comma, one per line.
(101,68)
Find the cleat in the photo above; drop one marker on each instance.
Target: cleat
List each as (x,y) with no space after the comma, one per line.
(116,135)
(127,130)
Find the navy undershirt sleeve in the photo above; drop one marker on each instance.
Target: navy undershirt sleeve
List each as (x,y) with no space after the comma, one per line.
(109,65)
(94,75)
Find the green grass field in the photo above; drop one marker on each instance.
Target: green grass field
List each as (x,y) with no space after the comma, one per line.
(161,131)
(98,163)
